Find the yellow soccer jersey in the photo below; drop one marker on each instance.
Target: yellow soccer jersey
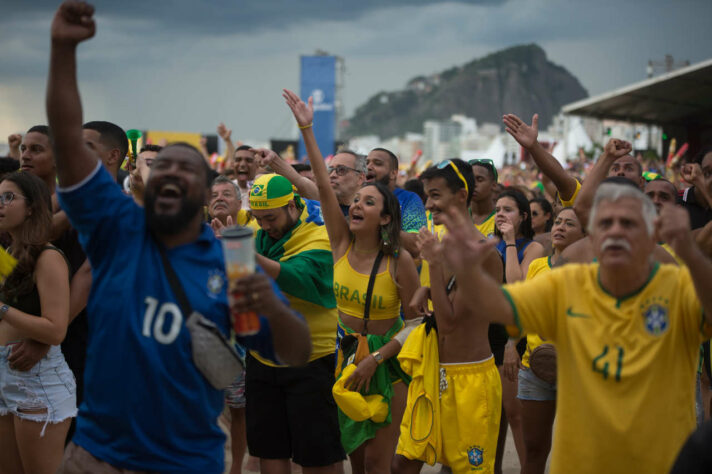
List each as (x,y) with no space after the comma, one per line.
(626,367)
(538,266)
(487,227)
(570,202)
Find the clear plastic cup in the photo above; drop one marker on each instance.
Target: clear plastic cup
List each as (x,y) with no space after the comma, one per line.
(239,249)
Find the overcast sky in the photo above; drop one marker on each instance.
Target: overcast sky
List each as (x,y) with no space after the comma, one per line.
(186,65)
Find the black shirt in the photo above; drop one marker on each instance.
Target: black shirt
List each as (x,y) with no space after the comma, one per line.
(699,215)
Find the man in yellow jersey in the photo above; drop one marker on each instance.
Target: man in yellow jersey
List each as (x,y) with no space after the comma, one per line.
(453,369)
(627,331)
(482,203)
(291,412)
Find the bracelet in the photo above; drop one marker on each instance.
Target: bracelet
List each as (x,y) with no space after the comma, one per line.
(510,245)
(306,126)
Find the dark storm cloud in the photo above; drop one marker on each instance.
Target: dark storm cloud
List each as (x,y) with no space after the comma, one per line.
(228,16)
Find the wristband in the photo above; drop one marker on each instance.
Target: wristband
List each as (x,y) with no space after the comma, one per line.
(304,127)
(510,245)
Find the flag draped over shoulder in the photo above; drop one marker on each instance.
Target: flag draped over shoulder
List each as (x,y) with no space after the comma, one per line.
(306,276)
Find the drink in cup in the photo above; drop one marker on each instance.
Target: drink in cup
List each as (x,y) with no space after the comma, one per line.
(239,249)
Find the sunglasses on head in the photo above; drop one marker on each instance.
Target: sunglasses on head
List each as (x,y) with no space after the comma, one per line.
(444,164)
(487,163)
(341,170)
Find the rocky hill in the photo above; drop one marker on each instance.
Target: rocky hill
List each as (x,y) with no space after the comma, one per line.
(517,80)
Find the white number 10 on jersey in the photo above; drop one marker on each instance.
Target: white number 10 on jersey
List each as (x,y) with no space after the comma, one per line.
(154,323)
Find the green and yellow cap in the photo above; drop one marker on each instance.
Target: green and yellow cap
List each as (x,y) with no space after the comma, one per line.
(270,191)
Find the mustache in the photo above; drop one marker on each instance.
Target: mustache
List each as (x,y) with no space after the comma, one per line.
(612,242)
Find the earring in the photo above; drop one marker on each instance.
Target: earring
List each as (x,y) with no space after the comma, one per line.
(385,238)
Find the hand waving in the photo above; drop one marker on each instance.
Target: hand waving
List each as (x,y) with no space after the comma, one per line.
(73,23)
(429,247)
(304,113)
(525,135)
(224,132)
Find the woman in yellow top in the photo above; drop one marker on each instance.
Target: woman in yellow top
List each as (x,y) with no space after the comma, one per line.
(372,228)
(537,396)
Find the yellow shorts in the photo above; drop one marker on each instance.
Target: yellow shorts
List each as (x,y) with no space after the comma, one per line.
(470,409)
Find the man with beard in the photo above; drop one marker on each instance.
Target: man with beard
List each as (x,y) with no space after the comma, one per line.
(291,412)
(382,166)
(627,332)
(147,407)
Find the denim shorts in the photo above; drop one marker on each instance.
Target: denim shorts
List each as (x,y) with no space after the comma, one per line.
(48,385)
(533,388)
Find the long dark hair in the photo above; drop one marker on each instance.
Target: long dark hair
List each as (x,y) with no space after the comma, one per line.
(546,207)
(391,207)
(525,227)
(33,235)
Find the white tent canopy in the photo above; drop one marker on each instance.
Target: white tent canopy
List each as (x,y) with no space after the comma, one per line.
(495,152)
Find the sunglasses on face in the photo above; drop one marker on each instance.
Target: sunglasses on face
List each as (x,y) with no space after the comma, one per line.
(8,196)
(341,170)
(487,163)
(444,164)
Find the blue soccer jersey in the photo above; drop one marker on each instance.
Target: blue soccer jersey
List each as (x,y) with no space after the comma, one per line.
(412,210)
(146,405)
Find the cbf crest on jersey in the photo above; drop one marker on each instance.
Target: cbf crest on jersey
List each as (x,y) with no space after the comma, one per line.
(655,316)
(475,455)
(216,282)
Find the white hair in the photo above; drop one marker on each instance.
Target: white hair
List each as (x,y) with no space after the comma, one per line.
(613,192)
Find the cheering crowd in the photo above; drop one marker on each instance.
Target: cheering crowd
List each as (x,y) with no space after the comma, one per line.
(397,327)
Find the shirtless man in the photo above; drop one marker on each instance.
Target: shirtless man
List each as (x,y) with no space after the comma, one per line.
(466,411)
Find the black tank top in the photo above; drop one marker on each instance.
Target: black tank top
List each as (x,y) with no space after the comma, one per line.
(30,301)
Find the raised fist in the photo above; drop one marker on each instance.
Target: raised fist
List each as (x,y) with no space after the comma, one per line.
(14,141)
(617,148)
(73,23)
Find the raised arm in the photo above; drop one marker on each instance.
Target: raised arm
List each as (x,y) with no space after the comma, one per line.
(613,150)
(673,225)
(692,173)
(526,136)
(466,255)
(226,135)
(306,187)
(336,225)
(72,24)
(14,141)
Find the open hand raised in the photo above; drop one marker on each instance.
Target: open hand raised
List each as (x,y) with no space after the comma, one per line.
(304,113)
(525,135)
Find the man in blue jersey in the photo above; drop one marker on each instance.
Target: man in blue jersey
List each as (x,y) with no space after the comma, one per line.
(146,405)
(382,166)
